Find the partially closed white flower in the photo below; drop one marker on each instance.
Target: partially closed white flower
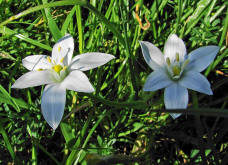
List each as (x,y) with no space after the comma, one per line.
(59,72)
(176,71)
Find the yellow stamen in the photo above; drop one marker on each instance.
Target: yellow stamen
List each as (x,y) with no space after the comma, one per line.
(57,68)
(176,70)
(61,60)
(65,67)
(177,57)
(168,61)
(59,49)
(185,63)
(49,59)
(39,69)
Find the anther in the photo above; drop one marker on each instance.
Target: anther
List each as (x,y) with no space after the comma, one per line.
(49,59)
(61,60)
(64,68)
(59,48)
(177,57)
(186,62)
(168,61)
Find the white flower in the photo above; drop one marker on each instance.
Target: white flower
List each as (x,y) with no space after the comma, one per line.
(176,71)
(59,72)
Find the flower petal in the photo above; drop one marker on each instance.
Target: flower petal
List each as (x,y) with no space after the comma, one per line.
(88,61)
(196,81)
(63,49)
(152,55)
(33,78)
(201,58)
(157,80)
(35,62)
(53,103)
(78,81)
(176,97)
(173,46)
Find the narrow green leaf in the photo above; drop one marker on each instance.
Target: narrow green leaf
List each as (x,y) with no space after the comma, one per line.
(34,155)
(79,141)
(7,31)
(100,118)
(80,30)
(7,98)
(47,5)
(225,29)
(56,33)
(197,14)
(67,20)
(106,22)
(67,132)
(7,142)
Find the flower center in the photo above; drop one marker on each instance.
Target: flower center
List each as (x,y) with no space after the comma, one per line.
(176,67)
(176,70)
(57,68)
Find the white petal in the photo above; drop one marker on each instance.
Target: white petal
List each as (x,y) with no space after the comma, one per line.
(53,103)
(173,46)
(176,97)
(35,62)
(33,78)
(63,49)
(78,81)
(152,55)
(88,61)
(196,81)
(201,58)
(157,80)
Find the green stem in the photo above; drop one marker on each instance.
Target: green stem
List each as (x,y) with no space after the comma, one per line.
(80,31)
(129,55)
(179,13)
(129,104)
(106,22)
(48,5)
(74,152)
(34,154)
(7,142)
(47,153)
(224,29)
(90,134)
(199,127)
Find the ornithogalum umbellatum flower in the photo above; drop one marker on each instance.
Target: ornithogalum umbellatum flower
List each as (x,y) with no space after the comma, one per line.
(59,72)
(176,71)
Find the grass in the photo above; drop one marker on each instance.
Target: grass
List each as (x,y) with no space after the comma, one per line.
(119,123)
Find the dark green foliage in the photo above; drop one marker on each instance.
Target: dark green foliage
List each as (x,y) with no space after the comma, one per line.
(118,123)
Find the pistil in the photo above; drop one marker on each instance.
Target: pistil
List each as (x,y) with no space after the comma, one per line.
(57,68)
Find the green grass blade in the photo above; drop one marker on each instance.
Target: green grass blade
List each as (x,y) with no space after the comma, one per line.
(73,154)
(7,31)
(66,131)
(34,155)
(5,96)
(56,33)
(47,5)
(7,142)
(80,30)
(68,20)
(47,153)
(197,15)
(106,22)
(100,118)
(225,27)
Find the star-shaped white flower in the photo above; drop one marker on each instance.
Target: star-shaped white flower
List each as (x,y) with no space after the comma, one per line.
(176,71)
(59,72)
